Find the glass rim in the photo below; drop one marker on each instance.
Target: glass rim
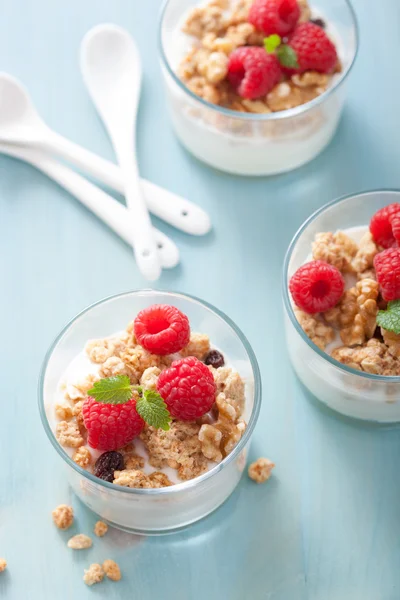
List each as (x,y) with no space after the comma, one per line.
(275,116)
(286,297)
(178,487)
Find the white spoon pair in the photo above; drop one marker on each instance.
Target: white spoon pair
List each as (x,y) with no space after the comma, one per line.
(111,68)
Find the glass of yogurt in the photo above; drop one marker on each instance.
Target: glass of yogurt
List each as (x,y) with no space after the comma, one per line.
(247,143)
(370,396)
(149,511)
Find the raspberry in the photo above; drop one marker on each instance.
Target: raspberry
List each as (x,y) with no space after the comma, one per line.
(252,72)
(385,226)
(313,48)
(188,389)
(162,329)
(274,16)
(316,287)
(111,426)
(387,267)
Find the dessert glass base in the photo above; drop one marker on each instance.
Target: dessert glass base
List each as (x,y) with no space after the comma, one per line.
(152,511)
(353,393)
(248,143)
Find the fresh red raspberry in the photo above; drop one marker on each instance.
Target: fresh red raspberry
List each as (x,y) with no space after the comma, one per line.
(253,72)
(162,329)
(313,48)
(316,287)
(385,227)
(274,16)
(188,388)
(387,267)
(111,426)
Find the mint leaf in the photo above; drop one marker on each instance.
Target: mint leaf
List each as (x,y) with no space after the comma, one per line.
(272,42)
(287,57)
(390,319)
(112,390)
(152,408)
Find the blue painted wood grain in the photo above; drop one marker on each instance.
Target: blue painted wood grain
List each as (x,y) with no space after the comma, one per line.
(327,526)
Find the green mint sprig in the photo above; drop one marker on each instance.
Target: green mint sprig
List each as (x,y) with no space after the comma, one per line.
(285,53)
(118,390)
(152,408)
(389,319)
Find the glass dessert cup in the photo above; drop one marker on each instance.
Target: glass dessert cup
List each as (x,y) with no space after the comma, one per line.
(255,144)
(353,393)
(152,511)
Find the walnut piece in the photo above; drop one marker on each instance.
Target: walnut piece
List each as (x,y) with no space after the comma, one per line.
(82,457)
(68,434)
(63,412)
(355,314)
(318,332)
(337,249)
(112,570)
(364,258)
(231,384)
(63,516)
(198,346)
(79,542)
(372,357)
(100,529)
(260,470)
(3,564)
(210,438)
(392,341)
(287,95)
(149,378)
(94,574)
(310,78)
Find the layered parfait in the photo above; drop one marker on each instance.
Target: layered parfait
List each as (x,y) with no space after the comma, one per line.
(347,297)
(254,84)
(151,406)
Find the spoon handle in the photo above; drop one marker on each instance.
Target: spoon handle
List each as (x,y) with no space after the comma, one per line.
(109,210)
(165,205)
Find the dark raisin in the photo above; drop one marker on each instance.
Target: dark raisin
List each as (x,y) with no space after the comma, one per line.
(215,359)
(320,22)
(107,463)
(378,334)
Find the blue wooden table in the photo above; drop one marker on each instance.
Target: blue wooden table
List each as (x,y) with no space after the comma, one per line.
(327,525)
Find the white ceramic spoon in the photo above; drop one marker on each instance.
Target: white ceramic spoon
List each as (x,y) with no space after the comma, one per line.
(101,204)
(21,124)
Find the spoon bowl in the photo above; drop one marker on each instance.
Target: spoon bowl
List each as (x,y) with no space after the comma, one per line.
(19,120)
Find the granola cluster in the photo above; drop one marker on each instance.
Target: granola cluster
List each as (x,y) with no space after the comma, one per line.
(186,447)
(219,28)
(365,346)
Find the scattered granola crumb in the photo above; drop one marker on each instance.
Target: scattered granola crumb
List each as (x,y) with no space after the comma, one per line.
(198,346)
(82,457)
(79,542)
(68,434)
(63,516)
(318,332)
(94,574)
(260,470)
(63,412)
(100,529)
(3,564)
(112,570)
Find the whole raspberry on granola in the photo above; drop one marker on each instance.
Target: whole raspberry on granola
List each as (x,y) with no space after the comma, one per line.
(188,389)
(385,226)
(387,267)
(313,48)
(316,287)
(274,16)
(162,329)
(253,72)
(111,426)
